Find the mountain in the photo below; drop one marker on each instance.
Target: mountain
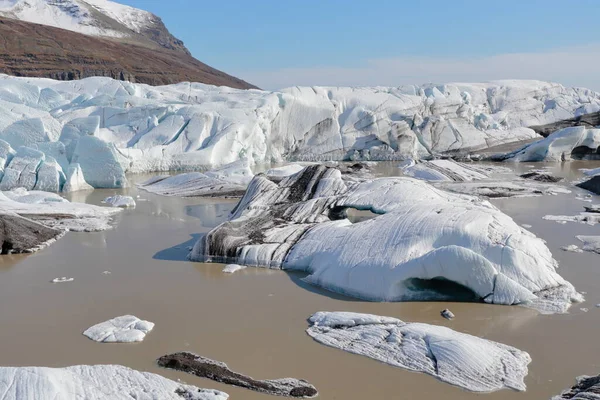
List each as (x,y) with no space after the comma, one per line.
(74,39)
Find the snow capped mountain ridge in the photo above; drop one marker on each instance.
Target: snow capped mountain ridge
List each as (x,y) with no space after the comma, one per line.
(91,17)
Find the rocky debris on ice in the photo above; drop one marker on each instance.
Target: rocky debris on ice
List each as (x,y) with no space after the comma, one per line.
(220,372)
(111,127)
(228,181)
(593,208)
(592,184)
(590,120)
(566,144)
(541,177)
(22,235)
(586,388)
(463,360)
(477,179)
(124,329)
(447,314)
(231,268)
(95,382)
(424,244)
(497,189)
(62,280)
(120,201)
(590,243)
(54,211)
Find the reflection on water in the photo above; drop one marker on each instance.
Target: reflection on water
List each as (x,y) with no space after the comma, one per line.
(255,319)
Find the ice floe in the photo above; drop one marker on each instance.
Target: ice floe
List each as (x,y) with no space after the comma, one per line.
(95,382)
(231,268)
(228,181)
(423,244)
(220,372)
(445,170)
(463,360)
(111,127)
(563,145)
(120,201)
(54,211)
(590,243)
(124,329)
(592,184)
(62,280)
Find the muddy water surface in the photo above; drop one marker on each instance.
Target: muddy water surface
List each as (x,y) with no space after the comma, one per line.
(255,319)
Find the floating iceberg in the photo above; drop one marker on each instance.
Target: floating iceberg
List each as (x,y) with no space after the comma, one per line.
(463,360)
(566,144)
(95,382)
(424,244)
(124,329)
(590,243)
(229,181)
(231,268)
(587,388)
(54,211)
(125,127)
(120,201)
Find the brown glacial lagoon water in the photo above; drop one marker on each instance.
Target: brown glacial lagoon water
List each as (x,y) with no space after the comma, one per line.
(255,319)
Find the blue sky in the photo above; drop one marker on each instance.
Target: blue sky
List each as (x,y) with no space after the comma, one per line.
(385,42)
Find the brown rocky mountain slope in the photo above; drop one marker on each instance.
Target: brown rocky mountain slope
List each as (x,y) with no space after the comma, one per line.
(32,50)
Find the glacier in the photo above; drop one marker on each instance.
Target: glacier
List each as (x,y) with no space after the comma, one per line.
(422,244)
(95,382)
(472,363)
(47,126)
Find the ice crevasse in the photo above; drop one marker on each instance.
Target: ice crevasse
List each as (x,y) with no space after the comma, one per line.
(47,126)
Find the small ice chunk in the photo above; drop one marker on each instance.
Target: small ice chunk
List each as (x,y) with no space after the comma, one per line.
(526,226)
(447,314)
(584,309)
(63,279)
(572,248)
(120,201)
(231,268)
(124,329)
(106,272)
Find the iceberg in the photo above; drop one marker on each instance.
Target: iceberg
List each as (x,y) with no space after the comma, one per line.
(586,388)
(120,201)
(574,143)
(131,128)
(422,244)
(124,329)
(53,211)
(95,382)
(229,181)
(456,358)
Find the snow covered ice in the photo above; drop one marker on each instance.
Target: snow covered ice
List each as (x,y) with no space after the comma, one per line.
(124,329)
(62,280)
(95,382)
(425,244)
(125,127)
(463,360)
